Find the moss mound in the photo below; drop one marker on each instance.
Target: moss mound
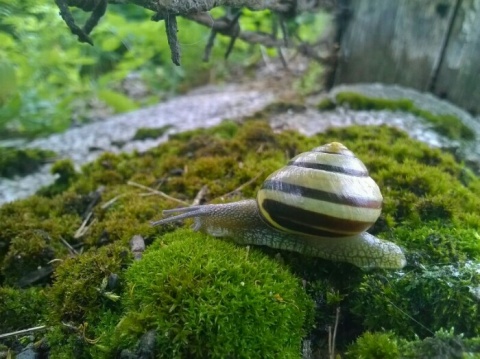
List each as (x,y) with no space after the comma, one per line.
(210,299)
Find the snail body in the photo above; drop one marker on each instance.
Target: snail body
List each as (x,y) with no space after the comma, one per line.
(320,205)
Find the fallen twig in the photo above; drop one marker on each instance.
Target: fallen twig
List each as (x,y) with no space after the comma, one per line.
(112,201)
(160,193)
(69,247)
(239,188)
(137,246)
(200,195)
(332,338)
(83,227)
(23,331)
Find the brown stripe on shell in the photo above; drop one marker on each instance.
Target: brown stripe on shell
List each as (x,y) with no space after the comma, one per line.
(318,194)
(329,168)
(305,221)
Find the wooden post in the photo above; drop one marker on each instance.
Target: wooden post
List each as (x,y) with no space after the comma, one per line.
(427,45)
(459,72)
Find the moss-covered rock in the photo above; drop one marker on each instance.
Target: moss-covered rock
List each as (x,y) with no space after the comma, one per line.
(431,209)
(447,125)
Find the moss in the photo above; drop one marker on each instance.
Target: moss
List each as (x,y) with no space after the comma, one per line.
(21,162)
(84,295)
(211,299)
(431,209)
(150,132)
(79,292)
(65,173)
(436,297)
(445,124)
(28,252)
(225,130)
(326,104)
(31,229)
(21,308)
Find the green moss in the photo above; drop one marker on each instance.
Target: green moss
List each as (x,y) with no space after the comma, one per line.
(84,295)
(79,292)
(209,299)
(21,308)
(447,125)
(435,297)
(225,130)
(358,101)
(326,104)
(150,132)
(21,162)
(66,174)
(28,252)
(431,209)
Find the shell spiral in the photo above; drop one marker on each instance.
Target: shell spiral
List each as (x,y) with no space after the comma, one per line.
(326,192)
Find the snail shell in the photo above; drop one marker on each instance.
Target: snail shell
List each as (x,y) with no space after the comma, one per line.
(320,204)
(325,192)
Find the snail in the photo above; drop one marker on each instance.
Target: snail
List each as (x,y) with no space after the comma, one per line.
(320,204)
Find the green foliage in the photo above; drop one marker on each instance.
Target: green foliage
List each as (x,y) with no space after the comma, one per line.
(311,80)
(22,161)
(443,344)
(374,346)
(47,77)
(447,125)
(210,299)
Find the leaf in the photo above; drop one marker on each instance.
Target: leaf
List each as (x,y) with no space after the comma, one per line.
(118,101)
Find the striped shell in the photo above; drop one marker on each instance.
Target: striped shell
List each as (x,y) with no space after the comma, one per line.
(325,192)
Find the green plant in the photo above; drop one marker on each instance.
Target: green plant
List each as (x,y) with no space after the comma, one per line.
(210,299)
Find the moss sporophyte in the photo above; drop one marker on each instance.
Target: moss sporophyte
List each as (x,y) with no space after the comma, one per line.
(187,292)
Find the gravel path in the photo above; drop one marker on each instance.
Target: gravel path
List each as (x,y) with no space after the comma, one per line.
(202,108)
